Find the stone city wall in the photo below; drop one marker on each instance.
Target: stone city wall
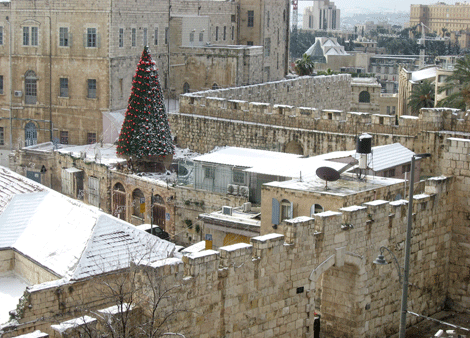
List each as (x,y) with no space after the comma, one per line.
(456,161)
(262,135)
(272,287)
(321,92)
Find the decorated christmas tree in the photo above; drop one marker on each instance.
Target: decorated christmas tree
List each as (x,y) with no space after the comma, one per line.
(145,134)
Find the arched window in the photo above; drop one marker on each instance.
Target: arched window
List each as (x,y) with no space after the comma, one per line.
(30,87)
(364,97)
(215,86)
(119,201)
(138,198)
(315,209)
(31,135)
(186,88)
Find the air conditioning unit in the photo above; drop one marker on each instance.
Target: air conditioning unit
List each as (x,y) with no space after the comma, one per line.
(244,191)
(232,189)
(18,93)
(227,211)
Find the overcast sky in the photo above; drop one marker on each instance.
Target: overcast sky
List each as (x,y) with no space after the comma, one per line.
(349,7)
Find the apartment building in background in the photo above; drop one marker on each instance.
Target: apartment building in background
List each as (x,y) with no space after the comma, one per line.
(323,15)
(441,16)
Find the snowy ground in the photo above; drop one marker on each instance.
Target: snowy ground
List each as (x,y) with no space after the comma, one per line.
(11,289)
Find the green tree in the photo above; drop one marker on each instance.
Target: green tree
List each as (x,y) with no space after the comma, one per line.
(422,96)
(145,131)
(304,66)
(458,85)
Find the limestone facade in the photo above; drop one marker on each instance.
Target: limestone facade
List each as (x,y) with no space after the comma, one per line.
(441,15)
(273,286)
(66,64)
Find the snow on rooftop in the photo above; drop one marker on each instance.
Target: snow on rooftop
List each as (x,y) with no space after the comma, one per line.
(72,323)
(199,246)
(12,183)
(69,238)
(244,157)
(12,287)
(115,309)
(35,334)
(424,74)
(236,246)
(353,208)
(203,253)
(268,237)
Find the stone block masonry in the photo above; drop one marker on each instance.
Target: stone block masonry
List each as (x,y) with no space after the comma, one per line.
(273,286)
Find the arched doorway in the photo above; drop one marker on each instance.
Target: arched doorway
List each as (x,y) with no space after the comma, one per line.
(31,135)
(119,201)
(158,211)
(138,198)
(338,283)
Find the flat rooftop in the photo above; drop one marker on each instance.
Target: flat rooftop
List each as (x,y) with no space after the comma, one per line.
(348,184)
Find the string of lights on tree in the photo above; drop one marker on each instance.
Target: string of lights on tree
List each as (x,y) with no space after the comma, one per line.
(146,130)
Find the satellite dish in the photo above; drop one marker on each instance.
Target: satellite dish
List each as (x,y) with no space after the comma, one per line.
(327,174)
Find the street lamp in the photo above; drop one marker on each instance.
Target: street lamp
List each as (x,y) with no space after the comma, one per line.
(380,260)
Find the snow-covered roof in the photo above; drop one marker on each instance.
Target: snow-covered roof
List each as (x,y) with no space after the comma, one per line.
(12,183)
(67,237)
(268,162)
(244,157)
(383,157)
(423,74)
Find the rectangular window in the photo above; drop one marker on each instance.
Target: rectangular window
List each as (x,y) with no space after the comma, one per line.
(91,37)
(217,33)
(166,35)
(267,19)
(133,36)
(121,37)
(209,172)
(267,46)
(92,88)
(251,18)
(249,43)
(1,35)
(388,110)
(91,138)
(201,36)
(1,84)
(225,33)
(233,33)
(2,137)
(156,37)
(238,177)
(63,37)
(64,87)
(191,37)
(64,137)
(406,168)
(145,36)
(34,36)
(25,36)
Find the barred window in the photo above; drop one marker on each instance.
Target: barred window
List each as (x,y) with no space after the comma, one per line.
(92,88)
(91,38)
(91,138)
(133,37)
(156,37)
(1,35)
(64,137)
(63,36)
(251,18)
(121,37)
(64,87)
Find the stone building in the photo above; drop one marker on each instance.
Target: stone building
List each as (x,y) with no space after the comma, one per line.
(63,66)
(365,94)
(441,16)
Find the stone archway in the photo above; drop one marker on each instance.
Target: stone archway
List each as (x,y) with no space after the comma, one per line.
(336,288)
(294,147)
